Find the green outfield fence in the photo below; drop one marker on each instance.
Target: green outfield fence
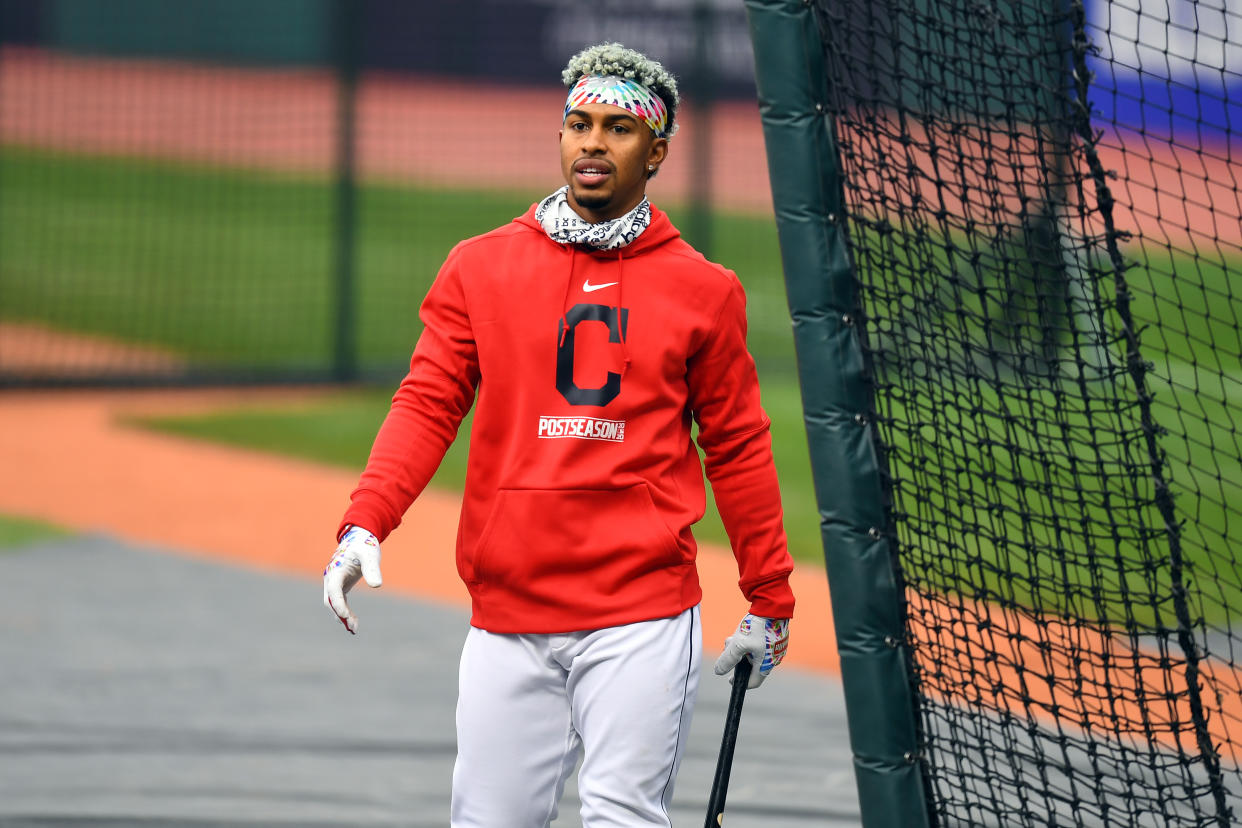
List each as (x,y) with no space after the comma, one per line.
(262,190)
(1012,235)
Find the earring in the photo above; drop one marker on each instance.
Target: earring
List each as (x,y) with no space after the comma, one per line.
(651,166)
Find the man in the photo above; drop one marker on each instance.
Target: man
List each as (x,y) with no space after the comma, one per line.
(593,336)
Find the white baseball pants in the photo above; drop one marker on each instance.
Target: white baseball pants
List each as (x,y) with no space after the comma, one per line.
(529,706)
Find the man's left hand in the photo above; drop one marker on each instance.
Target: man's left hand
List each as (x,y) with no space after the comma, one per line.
(762,640)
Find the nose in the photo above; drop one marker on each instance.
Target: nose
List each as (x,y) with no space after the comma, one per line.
(594,140)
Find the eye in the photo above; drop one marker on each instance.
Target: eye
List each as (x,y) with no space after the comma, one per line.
(620,129)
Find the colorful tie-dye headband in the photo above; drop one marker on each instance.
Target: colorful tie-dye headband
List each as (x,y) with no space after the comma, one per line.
(630,95)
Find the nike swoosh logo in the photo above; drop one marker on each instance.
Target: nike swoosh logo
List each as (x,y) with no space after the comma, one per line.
(587,287)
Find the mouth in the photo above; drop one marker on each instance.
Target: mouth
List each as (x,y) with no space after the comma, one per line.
(591,171)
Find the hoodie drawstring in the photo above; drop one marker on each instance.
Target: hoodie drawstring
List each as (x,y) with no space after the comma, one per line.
(625,348)
(620,306)
(569,285)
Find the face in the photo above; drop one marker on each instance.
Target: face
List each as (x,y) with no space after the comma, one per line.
(605,155)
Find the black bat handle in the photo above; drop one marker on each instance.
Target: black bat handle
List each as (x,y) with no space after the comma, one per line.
(720,785)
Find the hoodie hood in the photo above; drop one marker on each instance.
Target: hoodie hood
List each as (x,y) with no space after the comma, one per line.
(658,232)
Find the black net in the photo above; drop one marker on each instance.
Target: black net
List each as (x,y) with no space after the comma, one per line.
(1044,217)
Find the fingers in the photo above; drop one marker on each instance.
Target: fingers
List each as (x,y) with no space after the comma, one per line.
(357,556)
(334,589)
(344,614)
(762,640)
(730,658)
(732,654)
(365,549)
(339,576)
(371,568)
(756,678)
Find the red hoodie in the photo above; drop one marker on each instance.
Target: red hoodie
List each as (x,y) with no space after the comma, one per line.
(583,479)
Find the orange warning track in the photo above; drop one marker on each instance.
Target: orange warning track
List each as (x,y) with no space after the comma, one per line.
(69,461)
(29,349)
(1005,660)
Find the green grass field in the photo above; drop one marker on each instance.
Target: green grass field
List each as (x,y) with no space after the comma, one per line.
(15,532)
(229,267)
(996,492)
(225,266)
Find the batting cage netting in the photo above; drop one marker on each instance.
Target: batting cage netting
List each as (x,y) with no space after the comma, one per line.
(1045,224)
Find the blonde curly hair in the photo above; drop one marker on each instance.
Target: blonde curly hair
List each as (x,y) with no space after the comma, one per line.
(616,60)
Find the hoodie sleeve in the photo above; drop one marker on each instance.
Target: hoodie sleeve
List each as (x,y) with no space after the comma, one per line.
(426,411)
(737,448)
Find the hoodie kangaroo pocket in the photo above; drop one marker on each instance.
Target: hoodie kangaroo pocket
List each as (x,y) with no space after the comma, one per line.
(612,535)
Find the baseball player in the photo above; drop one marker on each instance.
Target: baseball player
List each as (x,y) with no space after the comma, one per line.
(590,338)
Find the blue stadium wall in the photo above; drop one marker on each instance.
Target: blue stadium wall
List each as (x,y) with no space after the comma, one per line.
(519,41)
(1144,75)
(526,41)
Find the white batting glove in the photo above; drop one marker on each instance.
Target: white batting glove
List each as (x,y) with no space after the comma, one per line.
(357,556)
(762,640)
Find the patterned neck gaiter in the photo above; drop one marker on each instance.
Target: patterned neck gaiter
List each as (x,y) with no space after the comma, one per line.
(563,225)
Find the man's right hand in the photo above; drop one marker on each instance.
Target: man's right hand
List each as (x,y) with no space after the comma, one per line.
(357,556)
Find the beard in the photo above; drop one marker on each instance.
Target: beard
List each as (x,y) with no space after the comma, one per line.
(593,201)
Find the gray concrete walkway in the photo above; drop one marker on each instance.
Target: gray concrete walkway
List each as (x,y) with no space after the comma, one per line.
(141,688)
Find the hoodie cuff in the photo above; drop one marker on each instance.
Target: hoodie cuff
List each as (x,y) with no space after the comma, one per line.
(370,512)
(773,599)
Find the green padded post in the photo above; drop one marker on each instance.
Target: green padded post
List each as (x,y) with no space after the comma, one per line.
(867,600)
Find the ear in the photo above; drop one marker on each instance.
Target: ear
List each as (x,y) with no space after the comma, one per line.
(656,154)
